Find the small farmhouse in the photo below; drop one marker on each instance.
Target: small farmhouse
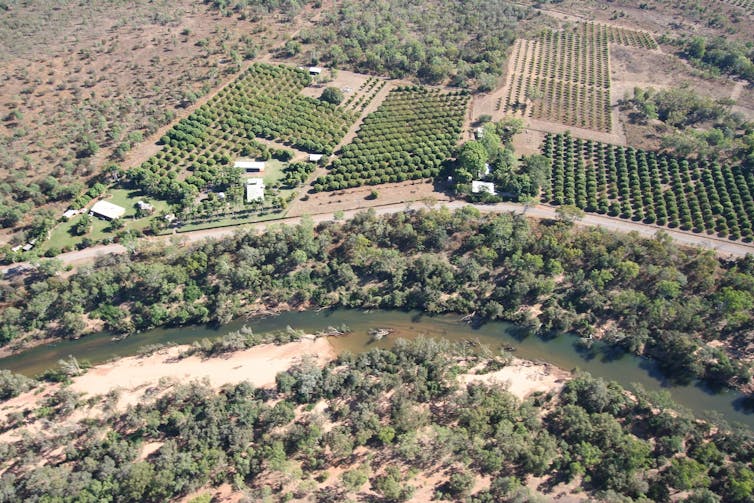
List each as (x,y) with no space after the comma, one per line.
(254,190)
(315,70)
(107,210)
(250,166)
(478,186)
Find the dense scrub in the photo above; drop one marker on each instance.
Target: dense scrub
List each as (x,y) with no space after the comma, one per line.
(389,419)
(264,102)
(645,186)
(646,296)
(694,125)
(718,55)
(464,42)
(408,137)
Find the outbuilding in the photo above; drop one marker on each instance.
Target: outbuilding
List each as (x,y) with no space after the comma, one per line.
(250,166)
(254,189)
(107,210)
(143,206)
(478,186)
(315,70)
(315,157)
(70,213)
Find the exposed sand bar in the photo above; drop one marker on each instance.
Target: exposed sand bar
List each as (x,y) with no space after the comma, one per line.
(258,365)
(523,377)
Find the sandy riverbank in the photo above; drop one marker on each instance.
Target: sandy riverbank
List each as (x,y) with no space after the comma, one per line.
(258,365)
(523,377)
(132,375)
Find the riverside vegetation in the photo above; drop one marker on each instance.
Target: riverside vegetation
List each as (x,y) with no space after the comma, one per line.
(684,307)
(389,419)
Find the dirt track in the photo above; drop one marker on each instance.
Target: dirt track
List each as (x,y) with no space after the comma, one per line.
(722,247)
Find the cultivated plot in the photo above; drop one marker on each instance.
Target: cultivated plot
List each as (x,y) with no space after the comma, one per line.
(264,102)
(697,196)
(564,76)
(407,138)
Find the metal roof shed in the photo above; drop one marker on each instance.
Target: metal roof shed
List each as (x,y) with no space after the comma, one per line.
(109,211)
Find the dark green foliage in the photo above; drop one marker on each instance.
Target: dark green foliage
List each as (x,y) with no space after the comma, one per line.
(13,384)
(264,102)
(695,125)
(241,435)
(464,42)
(719,55)
(408,137)
(660,300)
(296,173)
(699,196)
(332,95)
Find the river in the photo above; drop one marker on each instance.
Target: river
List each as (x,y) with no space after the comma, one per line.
(564,351)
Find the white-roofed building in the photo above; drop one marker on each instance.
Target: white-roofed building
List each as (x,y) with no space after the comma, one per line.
(143,206)
(315,70)
(250,166)
(315,157)
(107,210)
(254,189)
(478,186)
(70,213)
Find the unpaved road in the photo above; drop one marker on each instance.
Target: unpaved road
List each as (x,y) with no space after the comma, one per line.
(721,247)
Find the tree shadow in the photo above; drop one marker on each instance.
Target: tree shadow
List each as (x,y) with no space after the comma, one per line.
(744,404)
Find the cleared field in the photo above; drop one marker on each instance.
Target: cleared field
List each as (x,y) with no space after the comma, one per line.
(264,102)
(697,196)
(408,137)
(64,238)
(564,76)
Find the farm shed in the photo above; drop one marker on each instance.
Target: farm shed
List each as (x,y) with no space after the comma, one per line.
(106,210)
(478,186)
(315,70)
(144,206)
(250,166)
(254,189)
(315,157)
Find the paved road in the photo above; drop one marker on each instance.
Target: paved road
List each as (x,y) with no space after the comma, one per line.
(722,247)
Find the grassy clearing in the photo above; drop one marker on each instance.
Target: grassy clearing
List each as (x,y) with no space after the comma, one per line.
(273,172)
(231,221)
(62,237)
